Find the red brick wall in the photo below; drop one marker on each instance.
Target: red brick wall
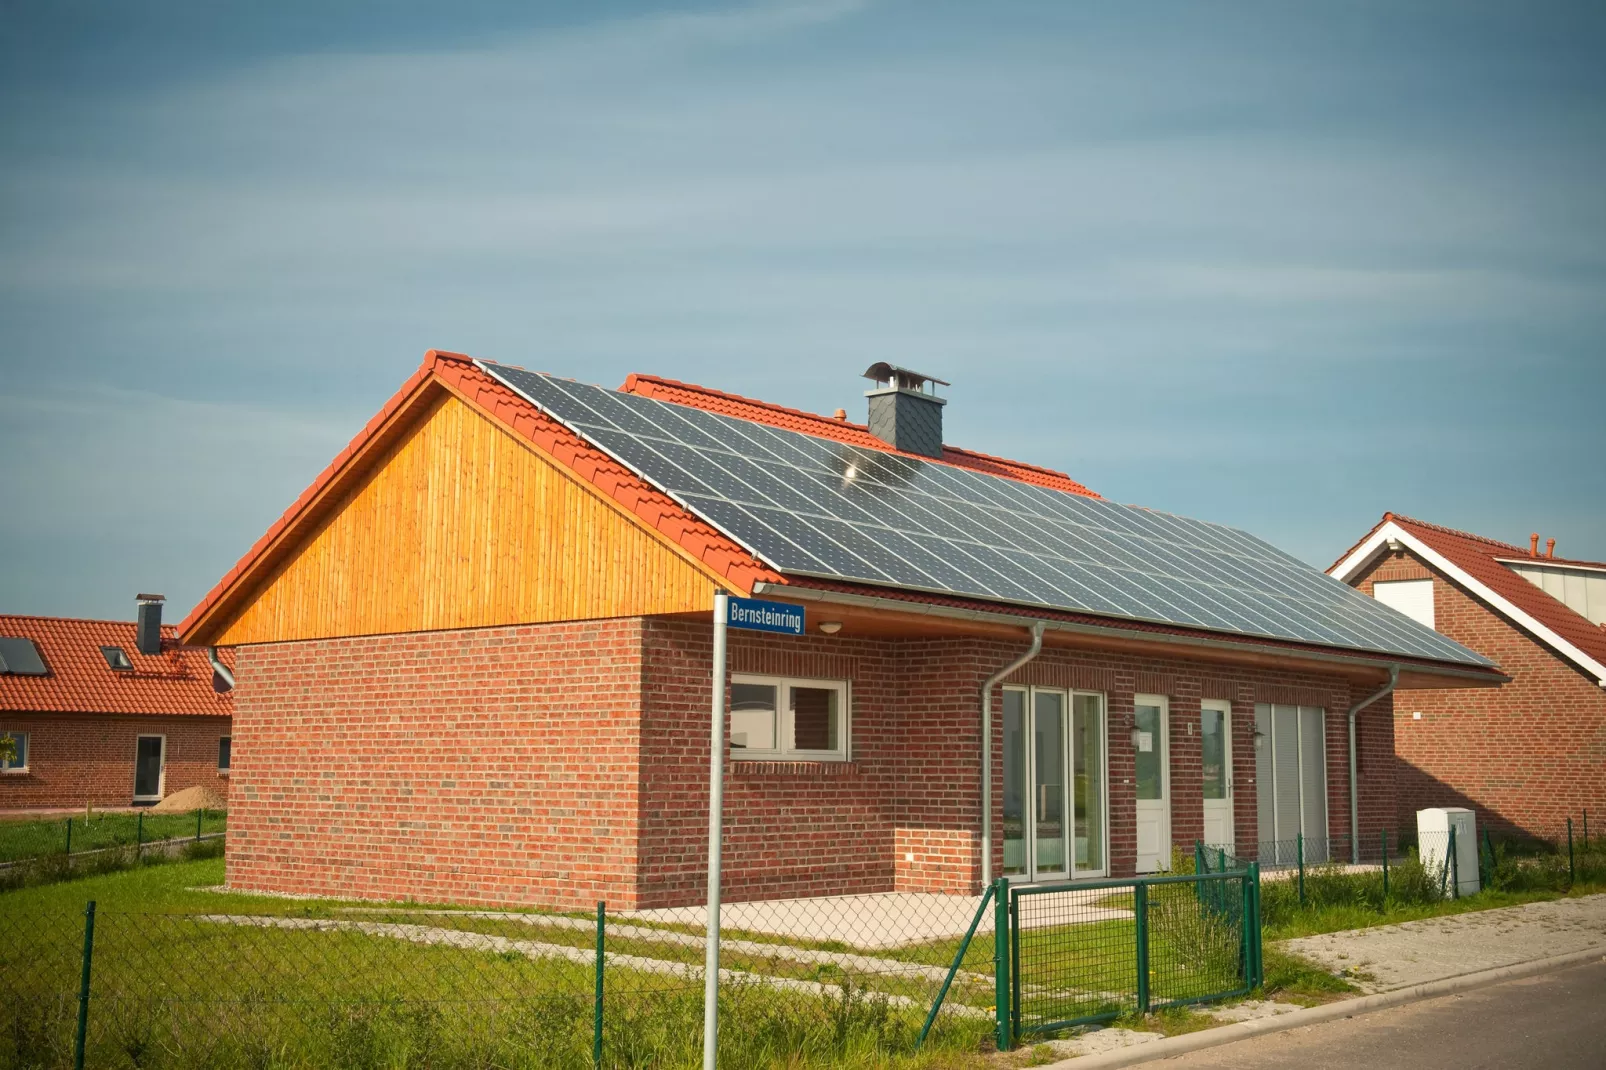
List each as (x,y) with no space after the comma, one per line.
(495,765)
(81,758)
(563,763)
(1526,755)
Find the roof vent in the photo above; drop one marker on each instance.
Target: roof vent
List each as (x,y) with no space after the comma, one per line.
(905,411)
(148,633)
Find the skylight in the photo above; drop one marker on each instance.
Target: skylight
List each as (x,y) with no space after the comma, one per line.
(116,658)
(20,657)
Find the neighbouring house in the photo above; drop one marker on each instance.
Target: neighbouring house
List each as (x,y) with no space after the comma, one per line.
(109,713)
(1532,753)
(474,659)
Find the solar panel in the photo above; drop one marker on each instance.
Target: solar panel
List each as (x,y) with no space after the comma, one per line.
(20,657)
(809,506)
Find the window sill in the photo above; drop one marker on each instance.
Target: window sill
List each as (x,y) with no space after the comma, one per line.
(24,771)
(223,772)
(792,767)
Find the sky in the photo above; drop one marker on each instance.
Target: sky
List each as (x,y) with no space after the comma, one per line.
(1279,266)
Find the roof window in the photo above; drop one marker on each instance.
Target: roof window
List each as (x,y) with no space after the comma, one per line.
(117,658)
(20,657)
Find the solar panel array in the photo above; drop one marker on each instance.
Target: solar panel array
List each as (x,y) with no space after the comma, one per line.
(810,506)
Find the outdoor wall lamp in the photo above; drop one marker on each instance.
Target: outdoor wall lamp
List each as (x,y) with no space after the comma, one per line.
(830,627)
(1260,739)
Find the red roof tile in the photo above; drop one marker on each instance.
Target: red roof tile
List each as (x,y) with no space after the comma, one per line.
(176,681)
(702,397)
(1480,558)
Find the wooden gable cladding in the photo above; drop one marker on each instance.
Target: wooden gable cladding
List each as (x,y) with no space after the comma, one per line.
(459,524)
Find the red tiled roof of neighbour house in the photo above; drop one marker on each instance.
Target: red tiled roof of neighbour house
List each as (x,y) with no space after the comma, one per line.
(1480,557)
(457,372)
(808,423)
(79,680)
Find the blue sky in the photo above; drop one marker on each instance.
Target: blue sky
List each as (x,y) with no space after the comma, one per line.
(1279,266)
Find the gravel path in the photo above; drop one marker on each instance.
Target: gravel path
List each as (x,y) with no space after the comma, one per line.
(1415,952)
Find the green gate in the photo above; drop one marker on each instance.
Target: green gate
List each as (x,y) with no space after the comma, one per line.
(1074,954)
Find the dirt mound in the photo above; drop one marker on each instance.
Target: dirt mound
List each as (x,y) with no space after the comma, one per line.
(189,800)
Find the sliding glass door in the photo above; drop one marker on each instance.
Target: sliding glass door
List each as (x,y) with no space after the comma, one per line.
(1054,784)
(1291,782)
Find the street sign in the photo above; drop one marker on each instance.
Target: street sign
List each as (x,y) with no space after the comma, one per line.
(759,616)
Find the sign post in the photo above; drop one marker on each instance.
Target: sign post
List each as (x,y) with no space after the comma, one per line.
(754,615)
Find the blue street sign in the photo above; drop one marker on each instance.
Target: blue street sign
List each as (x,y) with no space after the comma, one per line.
(754,615)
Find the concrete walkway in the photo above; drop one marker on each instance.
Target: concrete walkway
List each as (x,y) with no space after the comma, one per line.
(1415,952)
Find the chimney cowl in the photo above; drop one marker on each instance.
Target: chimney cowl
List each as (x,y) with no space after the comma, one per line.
(905,411)
(1550,547)
(1533,545)
(148,626)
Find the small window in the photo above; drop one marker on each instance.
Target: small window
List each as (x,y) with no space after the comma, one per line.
(224,746)
(116,658)
(1414,598)
(775,717)
(20,657)
(19,743)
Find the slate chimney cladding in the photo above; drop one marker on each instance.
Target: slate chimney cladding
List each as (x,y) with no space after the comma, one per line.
(905,411)
(148,633)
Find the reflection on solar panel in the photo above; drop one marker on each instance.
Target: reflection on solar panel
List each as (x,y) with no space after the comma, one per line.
(20,657)
(813,507)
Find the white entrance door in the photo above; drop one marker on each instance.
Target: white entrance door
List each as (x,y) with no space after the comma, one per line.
(1215,745)
(1153,779)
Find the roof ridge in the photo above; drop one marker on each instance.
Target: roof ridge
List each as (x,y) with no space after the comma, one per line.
(1521,552)
(832,422)
(78,620)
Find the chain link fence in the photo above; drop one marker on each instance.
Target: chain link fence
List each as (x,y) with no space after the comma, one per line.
(27,840)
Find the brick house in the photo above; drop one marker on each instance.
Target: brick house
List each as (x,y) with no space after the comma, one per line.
(474,660)
(1532,753)
(110,713)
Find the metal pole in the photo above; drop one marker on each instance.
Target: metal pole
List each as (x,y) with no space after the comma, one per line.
(596,1017)
(83,986)
(1455,868)
(69,834)
(1299,847)
(716,803)
(1140,914)
(1570,877)
(959,960)
(1385,835)
(1003,1013)
(139,833)
(199,814)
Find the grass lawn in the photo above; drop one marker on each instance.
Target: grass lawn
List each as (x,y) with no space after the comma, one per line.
(40,838)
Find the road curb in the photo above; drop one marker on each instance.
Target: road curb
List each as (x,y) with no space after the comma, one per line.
(1236,1031)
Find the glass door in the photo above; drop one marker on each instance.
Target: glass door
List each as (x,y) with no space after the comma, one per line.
(1054,784)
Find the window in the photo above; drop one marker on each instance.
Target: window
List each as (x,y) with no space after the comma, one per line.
(224,746)
(20,657)
(116,658)
(1414,598)
(19,764)
(775,717)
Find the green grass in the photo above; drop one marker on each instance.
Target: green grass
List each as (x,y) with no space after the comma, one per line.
(40,838)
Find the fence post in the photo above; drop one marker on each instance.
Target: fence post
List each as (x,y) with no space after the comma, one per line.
(199,815)
(596,1016)
(1259,958)
(1140,912)
(1201,863)
(69,835)
(1570,871)
(1299,848)
(83,987)
(1586,830)
(1385,845)
(139,833)
(1002,1010)
(1455,868)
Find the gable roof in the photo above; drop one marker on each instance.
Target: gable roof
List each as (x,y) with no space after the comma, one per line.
(808,423)
(498,393)
(78,679)
(1476,563)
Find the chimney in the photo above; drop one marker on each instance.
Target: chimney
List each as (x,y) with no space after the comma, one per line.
(148,633)
(1550,547)
(1533,545)
(905,411)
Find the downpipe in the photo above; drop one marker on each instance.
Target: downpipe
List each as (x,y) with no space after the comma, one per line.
(987,749)
(218,667)
(1354,790)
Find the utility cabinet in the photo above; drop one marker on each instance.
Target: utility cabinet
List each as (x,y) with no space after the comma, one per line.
(1433,843)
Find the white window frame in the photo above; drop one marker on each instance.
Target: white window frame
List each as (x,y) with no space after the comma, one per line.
(223,770)
(27,753)
(783,720)
(1029,757)
(161,776)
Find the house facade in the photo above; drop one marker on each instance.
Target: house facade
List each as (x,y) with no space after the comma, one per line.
(100,714)
(1533,753)
(473,662)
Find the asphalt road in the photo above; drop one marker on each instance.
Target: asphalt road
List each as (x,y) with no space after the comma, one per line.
(1549,1020)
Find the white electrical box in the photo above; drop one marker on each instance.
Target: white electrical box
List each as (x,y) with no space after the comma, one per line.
(1433,843)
